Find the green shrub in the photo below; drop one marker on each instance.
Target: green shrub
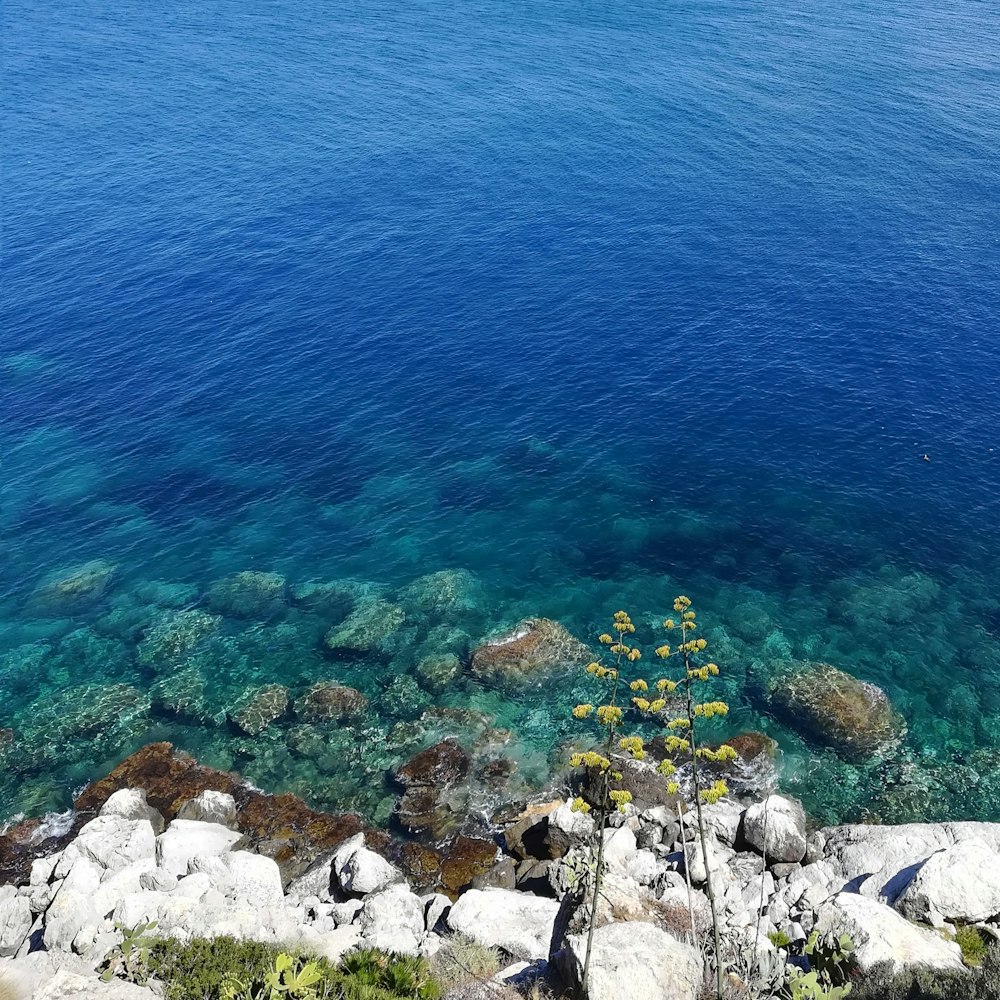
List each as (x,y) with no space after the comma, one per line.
(779,939)
(461,960)
(201,969)
(927,984)
(974,946)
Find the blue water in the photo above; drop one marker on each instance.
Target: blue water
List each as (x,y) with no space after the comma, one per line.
(597,302)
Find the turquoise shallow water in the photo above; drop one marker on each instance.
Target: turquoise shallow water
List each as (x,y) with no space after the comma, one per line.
(597,305)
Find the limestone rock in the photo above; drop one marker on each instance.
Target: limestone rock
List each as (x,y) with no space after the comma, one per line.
(250,594)
(66,985)
(130,803)
(882,935)
(185,839)
(829,705)
(519,923)
(210,806)
(15,922)
(255,878)
(111,842)
(329,701)
(532,647)
(360,871)
(632,959)
(393,919)
(567,829)
(960,883)
(776,827)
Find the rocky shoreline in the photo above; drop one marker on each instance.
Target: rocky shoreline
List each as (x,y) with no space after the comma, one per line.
(203,854)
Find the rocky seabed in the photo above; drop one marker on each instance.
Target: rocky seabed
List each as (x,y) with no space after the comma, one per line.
(894,889)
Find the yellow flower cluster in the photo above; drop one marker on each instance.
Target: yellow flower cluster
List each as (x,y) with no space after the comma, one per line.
(605,638)
(673,788)
(710,709)
(663,684)
(666,768)
(658,705)
(724,754)
(589,759)
(620,798)
(598,671)
(639,685)
(679,724)
(579,806)
(676,744)
(692,646)
(633,745)
(715,792)
(682,603)
(623,623)
(668,623)
(582,711)
(609,715)
(643,704)
(663,651)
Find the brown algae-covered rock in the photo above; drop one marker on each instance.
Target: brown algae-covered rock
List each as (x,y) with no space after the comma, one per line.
(532,647)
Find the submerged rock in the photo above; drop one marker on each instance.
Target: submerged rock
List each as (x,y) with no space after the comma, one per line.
(182,694)
(249,594)
(853,717)
(445,592)
(76,588)
(532,647)
(174,635)
(437,672)
(329,701)
(427,778)
(366,628)
(258,707)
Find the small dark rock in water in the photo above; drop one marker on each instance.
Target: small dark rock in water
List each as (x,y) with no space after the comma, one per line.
(496,772)
(853,717)
(532,647)
(250,594)
(329,701)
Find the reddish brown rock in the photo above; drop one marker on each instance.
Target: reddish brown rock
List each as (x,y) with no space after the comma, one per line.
(427,778)
(532,647)
(464,859)
(752,745)
(329,701)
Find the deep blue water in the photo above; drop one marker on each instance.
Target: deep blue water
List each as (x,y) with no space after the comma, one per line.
(598,302)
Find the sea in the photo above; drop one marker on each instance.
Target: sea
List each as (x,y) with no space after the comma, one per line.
(484,311)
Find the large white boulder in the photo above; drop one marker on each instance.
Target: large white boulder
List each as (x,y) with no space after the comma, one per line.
(187,838)
(359,870)
(880,934)
(961,883)
(619,847)
(72,909)
(111,842)
(116,885)
(130,803)
(776,827)
(210,807)
(392,919)
(519,923)
(255,878)
(15,921)
(632,960)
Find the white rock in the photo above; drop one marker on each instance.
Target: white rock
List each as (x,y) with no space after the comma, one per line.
(255,878)
(130,803)
(644,867)
(193,886)
(15,922)
(72,909)
(360,871)
(777,828)
(210,807)
(436,907)
(158,880)
(116,885)
(66,985)
(619,847)
(960,883)
(568,828)
(185,839)
(632,960)
(346,913)
(111,842)
(519,923)
(882,935)
(392,919)
(332,945)
(216,868)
